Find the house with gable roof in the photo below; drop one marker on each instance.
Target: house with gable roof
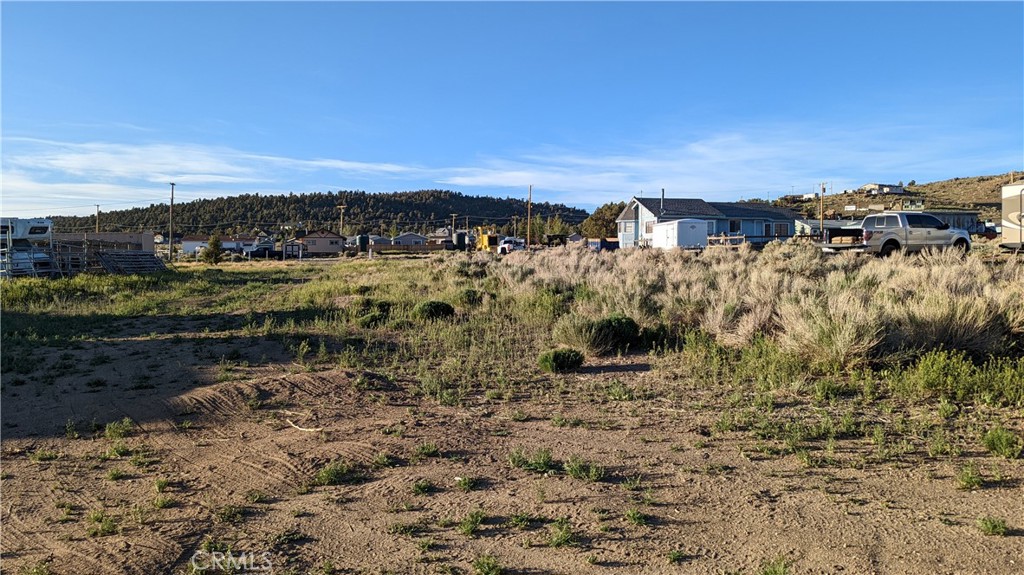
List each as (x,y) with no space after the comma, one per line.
(320,242)
(757,223)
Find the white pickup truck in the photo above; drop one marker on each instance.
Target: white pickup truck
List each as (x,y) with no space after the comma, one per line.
(509,245)
(890,232)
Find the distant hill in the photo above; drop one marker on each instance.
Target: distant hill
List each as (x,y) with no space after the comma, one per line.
(981,193)
(387,213)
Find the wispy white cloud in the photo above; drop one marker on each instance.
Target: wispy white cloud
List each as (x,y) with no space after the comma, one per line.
(756,161)
(749,161)
(112,162)
(49,174)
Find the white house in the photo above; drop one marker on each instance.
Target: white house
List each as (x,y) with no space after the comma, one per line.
(194,244)
(874,189)
(757,223)
(409,239)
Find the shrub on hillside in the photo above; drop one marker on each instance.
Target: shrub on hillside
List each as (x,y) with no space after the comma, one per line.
(470,297)
(620,330)
(369,312)
(661,336)
(433,310)
(559,360)
(616,332)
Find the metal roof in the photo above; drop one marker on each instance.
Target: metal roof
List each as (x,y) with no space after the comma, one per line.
(754,211)
(677,208)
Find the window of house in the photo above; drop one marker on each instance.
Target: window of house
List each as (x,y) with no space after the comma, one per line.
(734,226)
(334,242)
(649,227)
(781,229)
(711,228)
(311,242)
(627,227)
(767,229)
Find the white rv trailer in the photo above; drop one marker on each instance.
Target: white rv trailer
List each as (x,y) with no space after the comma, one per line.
(26,247)
(684,233)
(1013,207)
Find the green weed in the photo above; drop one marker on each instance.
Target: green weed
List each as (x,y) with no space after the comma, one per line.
(778,566)
(100,524)
(540,461)
(470,523)
(1002,442)
(118,429)
(423,487)
(992,526)
(428,450)
(466,484)
(41,455)
(577,468)
(968,477)
(636,517)
(562,534)
(337,473)
(487,565)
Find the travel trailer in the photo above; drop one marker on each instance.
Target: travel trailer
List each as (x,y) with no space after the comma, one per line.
(26,247)
(1013,207)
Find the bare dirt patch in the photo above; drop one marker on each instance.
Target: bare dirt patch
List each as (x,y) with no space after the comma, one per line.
(226,454)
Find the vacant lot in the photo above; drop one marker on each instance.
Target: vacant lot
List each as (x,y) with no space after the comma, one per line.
(735,413)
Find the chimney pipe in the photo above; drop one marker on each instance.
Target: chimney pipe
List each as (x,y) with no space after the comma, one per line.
(662,203)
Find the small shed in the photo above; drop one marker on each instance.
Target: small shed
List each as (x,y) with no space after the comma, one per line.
(684,233)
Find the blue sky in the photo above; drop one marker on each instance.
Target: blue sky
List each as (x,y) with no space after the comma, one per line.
(105,103)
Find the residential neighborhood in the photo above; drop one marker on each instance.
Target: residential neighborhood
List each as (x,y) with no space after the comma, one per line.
(663,222)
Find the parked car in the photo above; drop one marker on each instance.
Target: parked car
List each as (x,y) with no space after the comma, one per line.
(889,232)
(509,245)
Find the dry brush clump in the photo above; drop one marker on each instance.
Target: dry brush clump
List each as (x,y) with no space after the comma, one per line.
(837,312)
(941,300)
(829,330)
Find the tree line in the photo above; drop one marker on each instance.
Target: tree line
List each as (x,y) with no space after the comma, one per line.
(420,211)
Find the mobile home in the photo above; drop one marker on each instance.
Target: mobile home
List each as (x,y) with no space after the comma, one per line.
(1013,207)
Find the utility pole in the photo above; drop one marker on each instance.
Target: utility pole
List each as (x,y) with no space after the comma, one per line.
(170,228)
(453,227)
(529,204)
(97,218)
(821,211)
(515,226)
(341,224)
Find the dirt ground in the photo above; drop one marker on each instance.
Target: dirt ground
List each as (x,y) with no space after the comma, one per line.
(240,443)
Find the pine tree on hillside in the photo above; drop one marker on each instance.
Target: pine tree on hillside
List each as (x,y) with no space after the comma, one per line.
(213,254)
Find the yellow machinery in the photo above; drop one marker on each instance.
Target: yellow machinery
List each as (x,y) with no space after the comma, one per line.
(487,239)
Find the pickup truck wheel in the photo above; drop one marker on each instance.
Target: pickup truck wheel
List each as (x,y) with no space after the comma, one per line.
(889,249)
(962,246)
